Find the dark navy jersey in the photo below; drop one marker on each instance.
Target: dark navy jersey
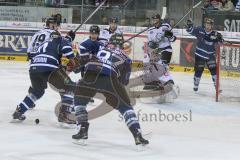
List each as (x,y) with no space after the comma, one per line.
(88,47)
(111,62)
(206,41)
(48,56)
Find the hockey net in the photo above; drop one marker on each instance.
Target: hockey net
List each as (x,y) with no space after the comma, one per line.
(228,73)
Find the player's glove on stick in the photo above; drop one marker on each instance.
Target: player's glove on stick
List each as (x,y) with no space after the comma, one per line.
(71,34)
(168,34)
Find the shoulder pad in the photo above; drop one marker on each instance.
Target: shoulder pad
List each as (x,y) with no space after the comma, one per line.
(151,28)
(106,30)
(166,25)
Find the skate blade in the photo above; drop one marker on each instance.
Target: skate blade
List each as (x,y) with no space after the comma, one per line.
(16,121)
(81,142)
(147,135)
(66,126)
(142,147)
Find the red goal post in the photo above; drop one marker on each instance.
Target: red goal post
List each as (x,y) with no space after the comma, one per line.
(228,72)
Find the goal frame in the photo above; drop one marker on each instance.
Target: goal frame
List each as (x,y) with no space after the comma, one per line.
(218,71)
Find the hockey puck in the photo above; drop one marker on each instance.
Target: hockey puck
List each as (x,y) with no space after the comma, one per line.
(37,121)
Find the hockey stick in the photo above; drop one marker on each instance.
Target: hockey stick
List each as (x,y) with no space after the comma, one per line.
(90,16)
(195,6)
(164,13)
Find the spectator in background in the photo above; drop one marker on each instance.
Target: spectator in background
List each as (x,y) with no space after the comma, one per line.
(238,6)
(147,22)
(122,22)
(215,3)
(98,2)
(172,22)
(226,5)
(53,3)
(208,6)
(104,20)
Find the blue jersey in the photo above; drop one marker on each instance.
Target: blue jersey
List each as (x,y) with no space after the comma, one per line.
(88,47)
(205,41)
(48,56)
(111,62)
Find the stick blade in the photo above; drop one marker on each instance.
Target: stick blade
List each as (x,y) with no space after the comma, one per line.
(164,13)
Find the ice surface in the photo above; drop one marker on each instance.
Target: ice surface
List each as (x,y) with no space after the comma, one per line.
(213,133)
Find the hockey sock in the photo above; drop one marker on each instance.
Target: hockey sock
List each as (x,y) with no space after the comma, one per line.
(214,78)
(81,115)
(28,102)
(131,119)
(67,100)
(197,78)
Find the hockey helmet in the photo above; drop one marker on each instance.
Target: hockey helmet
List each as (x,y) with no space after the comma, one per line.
(58,18)
(116,39)
(156,16)
(94,29)
(113,20)
(50,20)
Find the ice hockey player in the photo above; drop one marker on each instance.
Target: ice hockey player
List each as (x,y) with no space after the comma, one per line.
(205,49)
(40,37)
(107,73)
(105,34)
(160,37)
(87,47)
(92,44)
(53,24)
(47,58)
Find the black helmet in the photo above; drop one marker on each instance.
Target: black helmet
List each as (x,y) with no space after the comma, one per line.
(113,20)
(58,18)
(51,20)
(156,16)
(116,39)
(94,29)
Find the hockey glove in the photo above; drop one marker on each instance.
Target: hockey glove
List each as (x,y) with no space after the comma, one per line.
(168,34)
(189,23)
(71,34)
(219,37)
